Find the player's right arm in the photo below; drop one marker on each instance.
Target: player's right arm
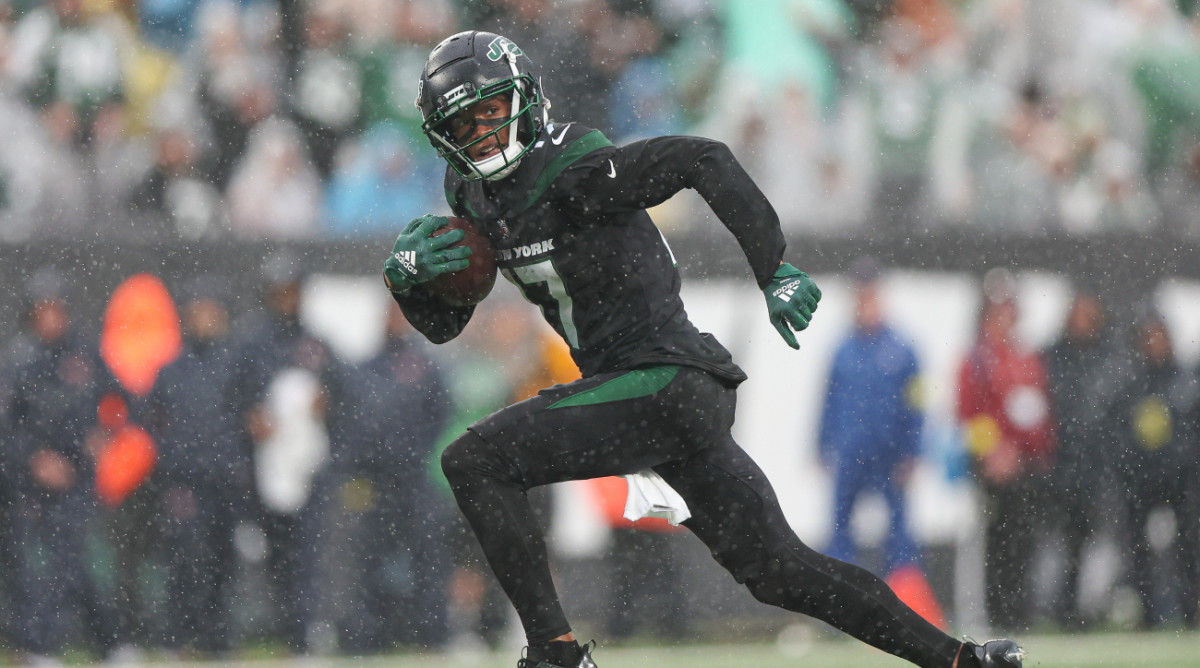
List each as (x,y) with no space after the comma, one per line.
(646,173)
(418,257)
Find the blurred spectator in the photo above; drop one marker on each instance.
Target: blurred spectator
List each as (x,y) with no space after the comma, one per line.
(26,155)
(140,334)
(915,109)
(275,191)
(1005,410)
(393,409)
(203,474)
(1085,371)
(778,44)
(174,194)
(1178,192)
(1163,69)
(692,51)
(379,185)
(279,401)
(393,39)
(168,24)
(325,91)
(13,354)
(125,457)
(1014,160)
(870,430)
(1164,66)
(614,35)
(68,64)
(869,437)
(906,84)
(933,19)
(1158,466)
(778,105)
(807,166)
(997,49)
(117,163)
(236,85)
(642,102)
(63,179)
(54,399)
(1110,193)
(1094,126)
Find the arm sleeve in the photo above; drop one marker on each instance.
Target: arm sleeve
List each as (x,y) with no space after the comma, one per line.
(648,172)
(435,319)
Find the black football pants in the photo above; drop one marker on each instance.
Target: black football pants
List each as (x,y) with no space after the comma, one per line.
(677,421)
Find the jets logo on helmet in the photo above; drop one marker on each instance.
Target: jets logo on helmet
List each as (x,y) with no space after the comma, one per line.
(501,46)
(466,69)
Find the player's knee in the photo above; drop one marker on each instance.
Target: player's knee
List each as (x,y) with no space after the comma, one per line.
(469,458)
(457,459)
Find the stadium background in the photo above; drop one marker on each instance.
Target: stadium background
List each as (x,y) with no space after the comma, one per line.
(936,247)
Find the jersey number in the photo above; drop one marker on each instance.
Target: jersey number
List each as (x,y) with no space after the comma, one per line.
(541,285)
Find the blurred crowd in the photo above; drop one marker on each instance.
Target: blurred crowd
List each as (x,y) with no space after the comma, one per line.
(287,119)
(188,480)
(191,481)
(1094,439)
(1090,445)
(259,486)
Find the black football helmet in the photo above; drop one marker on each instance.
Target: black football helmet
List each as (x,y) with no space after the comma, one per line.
(470,67)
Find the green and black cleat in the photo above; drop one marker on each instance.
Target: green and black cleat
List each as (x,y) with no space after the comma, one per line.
(562,655)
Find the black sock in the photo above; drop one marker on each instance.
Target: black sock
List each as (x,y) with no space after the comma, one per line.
(565,653)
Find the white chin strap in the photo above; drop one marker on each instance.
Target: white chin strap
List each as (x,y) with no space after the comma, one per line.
(503,163)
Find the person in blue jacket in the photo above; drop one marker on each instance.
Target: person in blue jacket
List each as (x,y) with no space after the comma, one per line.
(871,423)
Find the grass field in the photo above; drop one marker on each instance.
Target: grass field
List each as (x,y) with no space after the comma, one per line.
(1116,650)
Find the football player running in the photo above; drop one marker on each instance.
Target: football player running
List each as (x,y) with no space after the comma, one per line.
(565,211)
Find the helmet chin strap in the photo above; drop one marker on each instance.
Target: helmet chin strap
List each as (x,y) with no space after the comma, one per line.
(503,162)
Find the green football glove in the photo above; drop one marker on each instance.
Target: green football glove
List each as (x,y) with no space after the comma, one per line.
(418,257)
(791,299)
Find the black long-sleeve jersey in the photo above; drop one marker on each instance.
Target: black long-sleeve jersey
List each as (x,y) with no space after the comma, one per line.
(570,229)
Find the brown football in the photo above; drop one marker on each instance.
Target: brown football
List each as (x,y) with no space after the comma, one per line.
(469,286)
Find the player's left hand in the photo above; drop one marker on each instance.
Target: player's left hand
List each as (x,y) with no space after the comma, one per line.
(791,299)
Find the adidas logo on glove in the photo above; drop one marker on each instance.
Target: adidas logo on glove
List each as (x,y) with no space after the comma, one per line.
(786,290)
(408,260)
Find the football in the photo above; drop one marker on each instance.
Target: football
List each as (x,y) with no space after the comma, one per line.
(469,286)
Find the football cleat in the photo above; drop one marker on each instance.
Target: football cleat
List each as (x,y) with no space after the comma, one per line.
(584,659)
(998,654)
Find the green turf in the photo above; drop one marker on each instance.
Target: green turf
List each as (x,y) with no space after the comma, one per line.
(1110,650)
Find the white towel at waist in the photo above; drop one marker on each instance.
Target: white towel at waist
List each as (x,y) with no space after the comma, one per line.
(650,496)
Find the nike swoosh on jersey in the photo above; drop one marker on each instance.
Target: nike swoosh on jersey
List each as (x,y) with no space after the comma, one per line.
(558,140)
(612,169)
